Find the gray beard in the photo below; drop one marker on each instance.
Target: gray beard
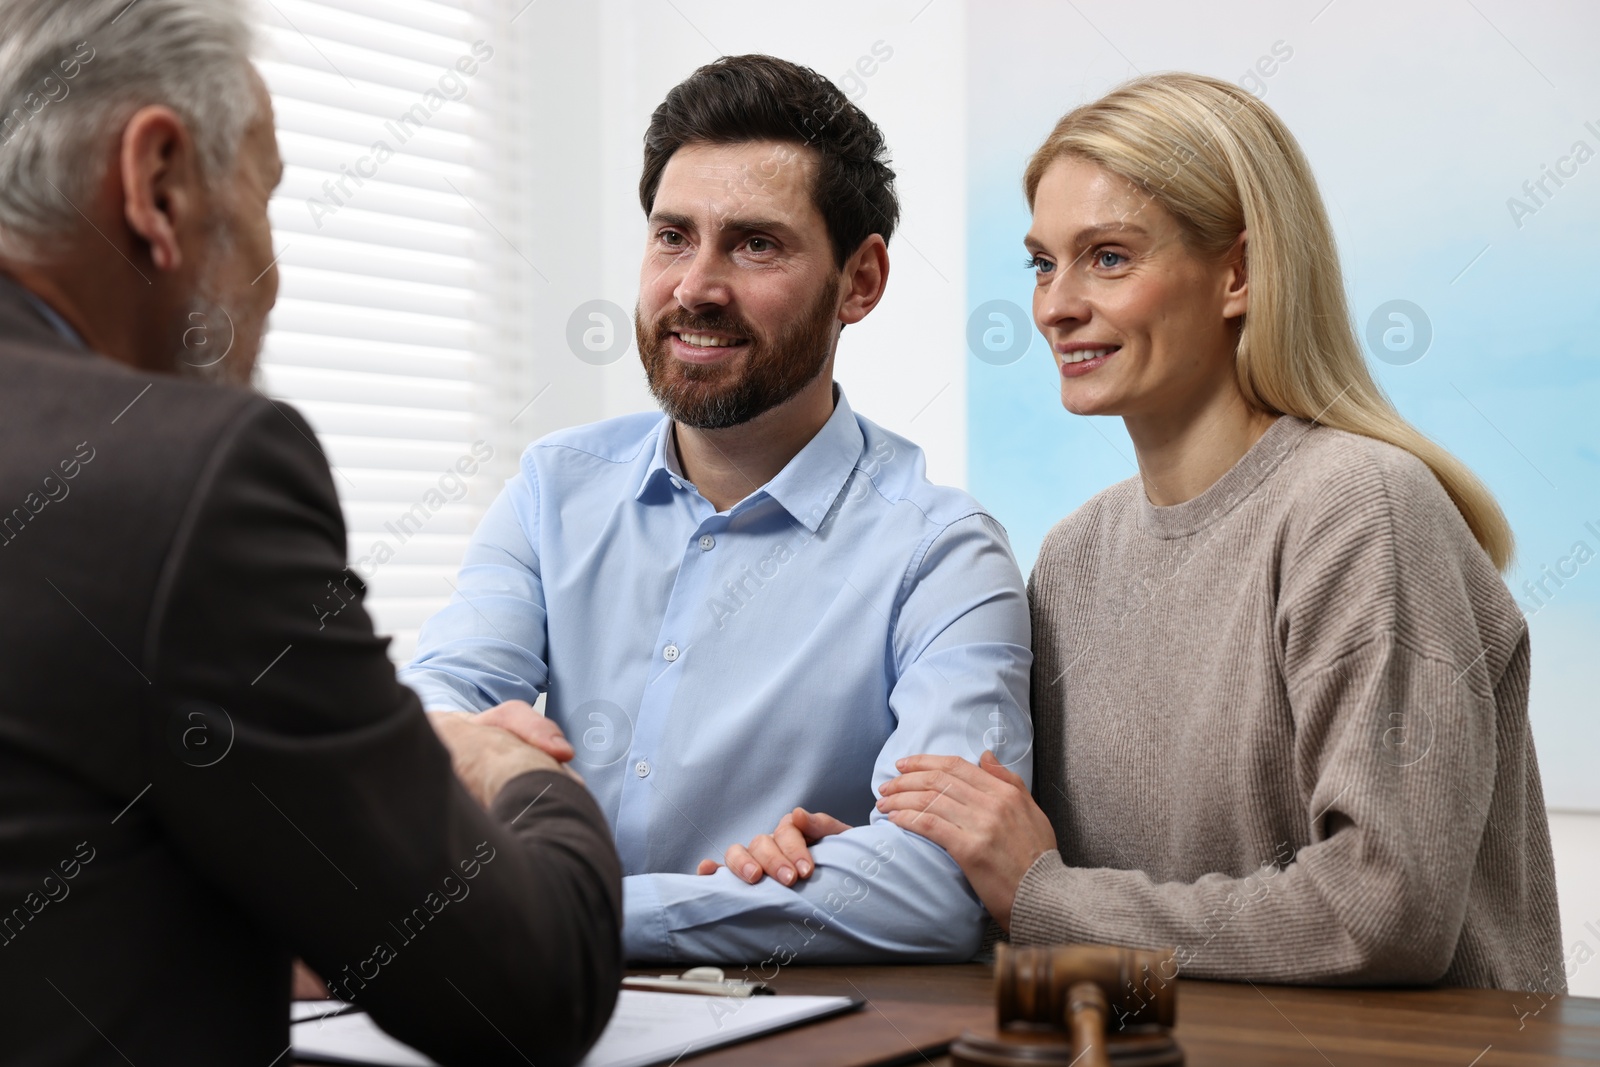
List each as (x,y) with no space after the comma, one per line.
(207,347)
(208,350)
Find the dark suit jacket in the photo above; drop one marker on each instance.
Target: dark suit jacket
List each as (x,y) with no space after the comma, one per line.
(204,771)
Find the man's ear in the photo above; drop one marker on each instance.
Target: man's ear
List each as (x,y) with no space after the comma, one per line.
(1236,298)
(161,187)
(865,275)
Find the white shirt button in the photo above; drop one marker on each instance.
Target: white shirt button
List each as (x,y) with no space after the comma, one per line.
(642,768)
(670,653)
(707,542)
(676,484)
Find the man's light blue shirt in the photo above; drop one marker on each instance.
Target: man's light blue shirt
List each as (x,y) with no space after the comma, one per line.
(716,669)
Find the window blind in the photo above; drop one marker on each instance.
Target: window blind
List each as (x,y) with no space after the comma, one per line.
(390,332)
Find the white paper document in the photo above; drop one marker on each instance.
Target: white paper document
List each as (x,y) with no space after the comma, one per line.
(647,1028)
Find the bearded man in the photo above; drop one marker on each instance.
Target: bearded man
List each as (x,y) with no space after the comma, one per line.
(751,605)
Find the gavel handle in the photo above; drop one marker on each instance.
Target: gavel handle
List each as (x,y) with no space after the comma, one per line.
(1086,1021)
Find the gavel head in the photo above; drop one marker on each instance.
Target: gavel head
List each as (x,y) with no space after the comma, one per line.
(1032,984)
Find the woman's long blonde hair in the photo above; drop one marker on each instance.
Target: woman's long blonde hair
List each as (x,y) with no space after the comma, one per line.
(1221,162)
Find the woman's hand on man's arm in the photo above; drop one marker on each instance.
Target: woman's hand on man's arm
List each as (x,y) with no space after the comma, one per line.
(983,815)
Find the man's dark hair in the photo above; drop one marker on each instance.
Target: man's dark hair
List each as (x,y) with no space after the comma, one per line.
(761,98)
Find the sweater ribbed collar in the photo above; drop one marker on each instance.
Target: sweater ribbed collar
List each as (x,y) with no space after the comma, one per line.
(1227,492)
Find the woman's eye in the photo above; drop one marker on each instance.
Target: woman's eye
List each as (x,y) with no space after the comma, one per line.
(1042,266)
(1100,258)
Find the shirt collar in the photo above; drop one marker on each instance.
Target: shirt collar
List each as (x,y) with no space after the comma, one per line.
(53,317)
(809,483)
(659,471)
(39,316)
(670,454)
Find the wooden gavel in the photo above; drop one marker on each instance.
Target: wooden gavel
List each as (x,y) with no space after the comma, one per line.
(1046,994)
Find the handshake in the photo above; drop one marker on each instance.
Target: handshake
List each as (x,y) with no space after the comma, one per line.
(490,748)
(487,750)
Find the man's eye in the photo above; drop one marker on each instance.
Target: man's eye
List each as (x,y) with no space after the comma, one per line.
(670,237)
(759,244)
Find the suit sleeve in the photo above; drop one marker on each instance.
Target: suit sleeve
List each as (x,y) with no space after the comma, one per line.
(293,770)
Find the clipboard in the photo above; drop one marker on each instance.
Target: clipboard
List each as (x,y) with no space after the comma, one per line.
(647,1029)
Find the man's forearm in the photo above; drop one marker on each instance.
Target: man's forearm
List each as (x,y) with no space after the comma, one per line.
(878,894)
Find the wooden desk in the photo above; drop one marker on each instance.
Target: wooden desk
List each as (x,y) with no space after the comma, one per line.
(913,1013)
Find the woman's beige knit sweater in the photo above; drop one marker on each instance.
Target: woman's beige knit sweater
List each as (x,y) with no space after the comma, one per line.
(1284,728)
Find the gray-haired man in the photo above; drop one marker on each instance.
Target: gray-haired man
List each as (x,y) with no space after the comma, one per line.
(201,779)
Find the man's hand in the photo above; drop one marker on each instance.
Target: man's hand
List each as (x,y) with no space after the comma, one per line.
(782,853)
(487,753)
(305,984)
(520,718)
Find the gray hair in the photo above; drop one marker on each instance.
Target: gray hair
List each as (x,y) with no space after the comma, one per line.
(72,72)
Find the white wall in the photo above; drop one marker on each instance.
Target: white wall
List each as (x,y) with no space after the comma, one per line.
(1575,835)
(605,65)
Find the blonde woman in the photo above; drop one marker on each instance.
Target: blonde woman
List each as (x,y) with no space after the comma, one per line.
(1280,691)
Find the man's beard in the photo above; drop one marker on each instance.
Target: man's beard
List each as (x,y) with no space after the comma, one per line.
(720,395)
(208,349)
(213,347)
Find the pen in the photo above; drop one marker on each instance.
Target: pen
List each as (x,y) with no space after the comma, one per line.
(707,981)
